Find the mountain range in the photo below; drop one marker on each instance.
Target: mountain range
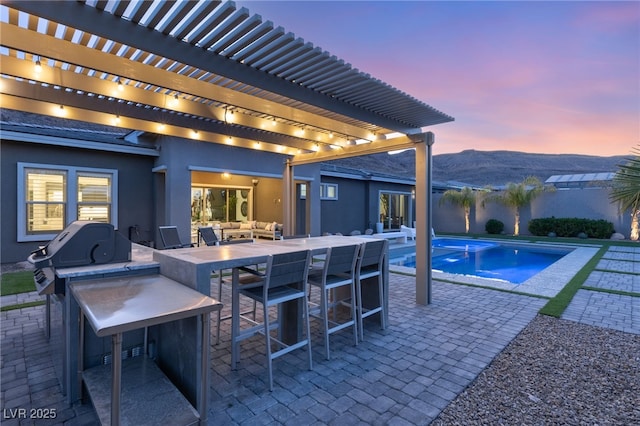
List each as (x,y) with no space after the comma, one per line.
(481,168)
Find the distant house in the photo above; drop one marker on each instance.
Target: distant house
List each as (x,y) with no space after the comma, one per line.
(582,180)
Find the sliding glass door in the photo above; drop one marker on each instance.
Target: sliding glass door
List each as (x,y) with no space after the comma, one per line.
(220,204)
(395,209)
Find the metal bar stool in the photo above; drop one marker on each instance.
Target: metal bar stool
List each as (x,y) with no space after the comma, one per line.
(338,272)
(371,265)
(284,281)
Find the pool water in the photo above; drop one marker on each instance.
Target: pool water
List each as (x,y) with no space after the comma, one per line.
(511,263)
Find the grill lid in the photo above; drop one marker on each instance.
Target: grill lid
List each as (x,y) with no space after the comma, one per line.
(83,243)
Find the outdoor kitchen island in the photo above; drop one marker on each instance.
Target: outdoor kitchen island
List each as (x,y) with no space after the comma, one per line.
(122,331)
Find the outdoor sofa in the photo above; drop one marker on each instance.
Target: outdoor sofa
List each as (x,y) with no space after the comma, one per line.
(251,229)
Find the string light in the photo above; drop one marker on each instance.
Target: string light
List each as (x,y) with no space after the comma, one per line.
(228,115)
(173,102)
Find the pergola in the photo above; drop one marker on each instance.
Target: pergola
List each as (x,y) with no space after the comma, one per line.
(215,73)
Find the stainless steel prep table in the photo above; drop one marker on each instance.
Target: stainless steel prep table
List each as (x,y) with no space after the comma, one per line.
(115,305)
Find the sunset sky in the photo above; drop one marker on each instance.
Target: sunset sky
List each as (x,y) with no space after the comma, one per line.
(544,77)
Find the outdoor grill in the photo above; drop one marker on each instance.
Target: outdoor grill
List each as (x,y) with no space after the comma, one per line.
(114,323)
(82,243)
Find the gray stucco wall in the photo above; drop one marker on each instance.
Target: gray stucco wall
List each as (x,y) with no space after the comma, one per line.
(347,213)
(135,194)
(588,203)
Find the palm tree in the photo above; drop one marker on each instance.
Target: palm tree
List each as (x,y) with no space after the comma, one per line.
(518,195)
(626,190)
(464,198)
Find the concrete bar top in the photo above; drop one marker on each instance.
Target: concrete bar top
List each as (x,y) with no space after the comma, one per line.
(230,256)
(193,266)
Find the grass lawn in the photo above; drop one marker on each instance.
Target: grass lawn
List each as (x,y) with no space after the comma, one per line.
(16,283)
(556,306)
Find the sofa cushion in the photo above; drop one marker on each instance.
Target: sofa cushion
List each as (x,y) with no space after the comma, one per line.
(246,226)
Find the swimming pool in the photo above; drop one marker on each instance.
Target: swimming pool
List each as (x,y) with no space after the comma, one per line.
(499,261)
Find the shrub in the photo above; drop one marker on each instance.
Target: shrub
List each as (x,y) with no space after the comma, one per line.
(571,227)
(494,226)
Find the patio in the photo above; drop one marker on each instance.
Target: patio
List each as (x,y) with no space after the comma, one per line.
(412,370)
(406,374)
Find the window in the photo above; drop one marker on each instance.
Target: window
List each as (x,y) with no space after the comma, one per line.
(46,201)
(51,197)
(328,191)
(94,197)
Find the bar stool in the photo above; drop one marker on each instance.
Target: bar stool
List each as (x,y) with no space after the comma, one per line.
(371,265)
(209,237)
(284,281)
(337,272)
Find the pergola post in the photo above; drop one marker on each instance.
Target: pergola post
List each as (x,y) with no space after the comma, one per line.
(423,218)
(288,191)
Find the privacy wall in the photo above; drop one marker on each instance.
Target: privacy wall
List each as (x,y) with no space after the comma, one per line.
(588,203)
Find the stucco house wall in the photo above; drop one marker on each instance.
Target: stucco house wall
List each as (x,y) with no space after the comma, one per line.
(348,212)
(135,189)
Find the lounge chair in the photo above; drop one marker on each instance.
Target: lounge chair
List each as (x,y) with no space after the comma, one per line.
(411,232)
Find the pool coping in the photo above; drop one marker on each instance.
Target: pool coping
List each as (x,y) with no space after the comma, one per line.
(546,283)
